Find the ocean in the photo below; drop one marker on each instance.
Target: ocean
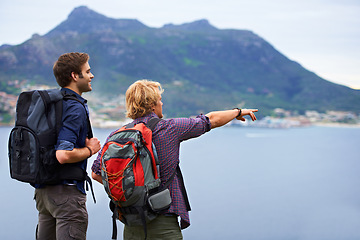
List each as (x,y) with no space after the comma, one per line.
(243,183)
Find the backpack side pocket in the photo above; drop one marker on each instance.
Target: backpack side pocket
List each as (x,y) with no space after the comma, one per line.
(24,155)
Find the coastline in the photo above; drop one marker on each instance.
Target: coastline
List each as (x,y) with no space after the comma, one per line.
(342,125)
(117,124)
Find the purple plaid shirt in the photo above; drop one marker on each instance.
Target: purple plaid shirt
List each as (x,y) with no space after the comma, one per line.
(167,136)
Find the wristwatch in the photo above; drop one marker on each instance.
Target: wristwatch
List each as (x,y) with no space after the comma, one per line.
(239,114)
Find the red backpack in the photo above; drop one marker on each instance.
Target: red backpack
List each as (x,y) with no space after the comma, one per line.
(131,175)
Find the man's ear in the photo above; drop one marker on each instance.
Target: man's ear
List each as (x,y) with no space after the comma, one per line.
(74,76)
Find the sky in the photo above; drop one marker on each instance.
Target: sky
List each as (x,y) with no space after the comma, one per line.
(321,35)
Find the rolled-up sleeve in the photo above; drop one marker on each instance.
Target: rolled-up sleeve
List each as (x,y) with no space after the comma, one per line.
(192,127)
(65,145)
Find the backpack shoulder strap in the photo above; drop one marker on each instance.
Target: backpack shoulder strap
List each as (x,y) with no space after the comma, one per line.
(46,100)
(151,124)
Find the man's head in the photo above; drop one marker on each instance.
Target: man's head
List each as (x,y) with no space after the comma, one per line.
(72,67)
(142,98)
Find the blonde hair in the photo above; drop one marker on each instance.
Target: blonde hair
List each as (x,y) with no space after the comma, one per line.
(141,97)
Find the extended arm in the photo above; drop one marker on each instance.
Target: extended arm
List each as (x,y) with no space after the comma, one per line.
(220,118)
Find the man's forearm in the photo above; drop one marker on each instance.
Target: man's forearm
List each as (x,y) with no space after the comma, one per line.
(220,118)
(73,156)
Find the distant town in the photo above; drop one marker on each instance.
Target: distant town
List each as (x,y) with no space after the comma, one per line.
(106,113)
(287,119)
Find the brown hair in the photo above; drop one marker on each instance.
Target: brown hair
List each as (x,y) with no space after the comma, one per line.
(68,63)
(141,96)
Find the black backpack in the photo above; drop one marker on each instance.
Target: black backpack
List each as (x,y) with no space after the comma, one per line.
(32,141)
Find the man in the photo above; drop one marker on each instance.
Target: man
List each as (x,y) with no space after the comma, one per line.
(143,102)
(62,209)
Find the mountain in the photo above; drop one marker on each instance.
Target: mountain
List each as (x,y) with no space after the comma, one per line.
(202,68)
